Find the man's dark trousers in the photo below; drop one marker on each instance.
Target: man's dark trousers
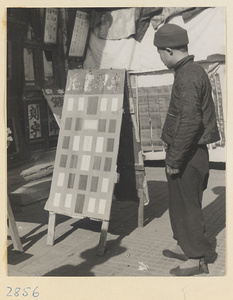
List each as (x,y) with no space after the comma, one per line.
(185,205)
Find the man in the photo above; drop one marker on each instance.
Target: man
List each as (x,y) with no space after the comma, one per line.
(190,125)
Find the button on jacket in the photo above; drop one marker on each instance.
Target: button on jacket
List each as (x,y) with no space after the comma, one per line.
(191,118)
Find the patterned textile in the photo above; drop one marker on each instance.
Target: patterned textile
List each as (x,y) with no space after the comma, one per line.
(218,102)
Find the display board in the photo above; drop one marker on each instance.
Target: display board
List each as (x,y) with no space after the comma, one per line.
(152,105)
(85,164)
(55,100)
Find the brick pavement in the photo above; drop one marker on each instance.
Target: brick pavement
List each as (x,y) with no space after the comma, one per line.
(130,251)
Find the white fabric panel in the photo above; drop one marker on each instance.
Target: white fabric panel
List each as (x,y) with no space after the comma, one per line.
(155,80)
(206,34)
(115,54)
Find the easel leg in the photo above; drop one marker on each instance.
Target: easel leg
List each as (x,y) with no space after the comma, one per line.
(13,229)
(103,238)
(140,208)
(51,228)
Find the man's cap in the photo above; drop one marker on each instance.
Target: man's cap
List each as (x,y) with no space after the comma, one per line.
(171,35)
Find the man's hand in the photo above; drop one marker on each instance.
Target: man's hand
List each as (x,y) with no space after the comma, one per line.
(172,171)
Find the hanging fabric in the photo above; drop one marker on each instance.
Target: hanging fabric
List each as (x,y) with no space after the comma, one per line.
(116,24)
(143,17)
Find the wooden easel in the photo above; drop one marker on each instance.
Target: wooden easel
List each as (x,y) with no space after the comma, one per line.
(102,240)
(131,158)
(136,166)
(13,228)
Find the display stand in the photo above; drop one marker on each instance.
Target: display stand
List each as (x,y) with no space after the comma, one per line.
(85,174)
(13,228)
(132,184)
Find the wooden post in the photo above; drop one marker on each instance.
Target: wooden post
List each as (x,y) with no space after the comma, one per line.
(103,238)
(141,207)
(51,228)
(13,228)
(140,178)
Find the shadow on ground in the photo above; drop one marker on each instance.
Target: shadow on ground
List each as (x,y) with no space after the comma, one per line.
(215,219)
(91,260)
(124,220)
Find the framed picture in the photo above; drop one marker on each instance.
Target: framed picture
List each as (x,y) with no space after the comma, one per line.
(79,35)
(50,29)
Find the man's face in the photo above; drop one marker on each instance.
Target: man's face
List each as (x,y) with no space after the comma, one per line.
(166,57)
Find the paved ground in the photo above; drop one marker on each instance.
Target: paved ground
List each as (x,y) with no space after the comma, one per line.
(130,251)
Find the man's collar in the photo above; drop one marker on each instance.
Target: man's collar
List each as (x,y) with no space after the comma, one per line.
(183,61)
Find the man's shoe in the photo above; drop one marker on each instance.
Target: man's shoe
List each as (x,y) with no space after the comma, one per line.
(171,254)
(196,270)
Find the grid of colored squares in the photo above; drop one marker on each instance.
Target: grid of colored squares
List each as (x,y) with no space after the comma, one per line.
(96,183)
(85,164)
(69,181)
(88,143)
(93,104)
(101,125)
(93,204)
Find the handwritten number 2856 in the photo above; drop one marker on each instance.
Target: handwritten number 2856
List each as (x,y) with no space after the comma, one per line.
(25,292)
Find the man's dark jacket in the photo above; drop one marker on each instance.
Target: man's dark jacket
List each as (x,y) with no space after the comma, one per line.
(191,118)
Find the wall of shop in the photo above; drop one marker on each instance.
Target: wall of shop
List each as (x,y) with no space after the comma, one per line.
(37,43)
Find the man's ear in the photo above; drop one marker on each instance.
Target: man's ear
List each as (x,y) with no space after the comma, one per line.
(169,50)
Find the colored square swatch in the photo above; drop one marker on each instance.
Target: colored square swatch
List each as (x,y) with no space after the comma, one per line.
(66,142)
(63,160)
(79,203)
(110,145)
(92,105)
(74,161)
(78,124)
(102,125)
(112,126)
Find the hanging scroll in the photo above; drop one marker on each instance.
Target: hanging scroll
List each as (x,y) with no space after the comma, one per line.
(29,72)
(79,36)
(218,103)
(50,30)
(34,121)
(85,164)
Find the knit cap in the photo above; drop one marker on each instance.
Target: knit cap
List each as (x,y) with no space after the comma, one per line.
(171,35)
